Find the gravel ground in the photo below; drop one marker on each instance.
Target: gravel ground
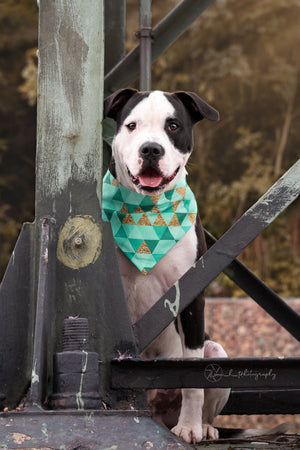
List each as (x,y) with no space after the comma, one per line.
(246,330)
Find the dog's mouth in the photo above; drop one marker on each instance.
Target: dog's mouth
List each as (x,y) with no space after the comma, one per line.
(151,179)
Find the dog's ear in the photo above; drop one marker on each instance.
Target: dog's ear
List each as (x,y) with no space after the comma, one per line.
(197,107)
(115,102)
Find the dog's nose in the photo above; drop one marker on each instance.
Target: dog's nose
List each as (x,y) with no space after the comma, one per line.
(151,150)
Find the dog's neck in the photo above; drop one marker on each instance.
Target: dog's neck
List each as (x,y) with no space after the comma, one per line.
(146,227)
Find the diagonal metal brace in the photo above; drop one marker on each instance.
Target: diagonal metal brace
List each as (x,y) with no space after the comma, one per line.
(164,34)
(219,256)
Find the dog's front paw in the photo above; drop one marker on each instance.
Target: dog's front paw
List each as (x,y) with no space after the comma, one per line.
(209,432)
(191,433)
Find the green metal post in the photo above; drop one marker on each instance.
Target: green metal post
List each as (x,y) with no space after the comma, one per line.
(69,181)
(145,35)
(164,34)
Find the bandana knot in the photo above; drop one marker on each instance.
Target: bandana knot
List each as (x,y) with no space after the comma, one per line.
(146,227)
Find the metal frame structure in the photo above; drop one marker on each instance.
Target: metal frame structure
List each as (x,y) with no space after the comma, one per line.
(64,264)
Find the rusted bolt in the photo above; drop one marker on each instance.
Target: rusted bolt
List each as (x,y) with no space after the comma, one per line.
(78,241)
(75,369)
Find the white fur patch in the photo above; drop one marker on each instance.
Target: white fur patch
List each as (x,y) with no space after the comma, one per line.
(150,116)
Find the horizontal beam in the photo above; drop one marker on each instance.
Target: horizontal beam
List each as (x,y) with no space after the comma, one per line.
(219,256)
(263,373)
(164,34)
(257,401)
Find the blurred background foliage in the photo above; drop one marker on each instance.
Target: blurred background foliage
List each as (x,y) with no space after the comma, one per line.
(243,58)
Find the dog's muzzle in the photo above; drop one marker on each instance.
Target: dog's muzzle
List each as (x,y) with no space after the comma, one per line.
(151,152)
(150,177)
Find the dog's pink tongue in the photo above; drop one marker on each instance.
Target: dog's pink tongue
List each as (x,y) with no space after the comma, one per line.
(152,180)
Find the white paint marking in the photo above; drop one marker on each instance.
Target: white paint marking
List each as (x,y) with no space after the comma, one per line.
(79,401)
(174,307)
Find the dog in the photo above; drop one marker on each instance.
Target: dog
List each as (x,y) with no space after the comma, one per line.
(150,150)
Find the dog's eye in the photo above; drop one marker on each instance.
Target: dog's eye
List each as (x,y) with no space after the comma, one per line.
(173,126)
(131,126)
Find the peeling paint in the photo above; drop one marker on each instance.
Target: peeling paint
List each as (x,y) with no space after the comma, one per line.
(79,400)
(69,128)
(45,431)
(34,376)
(19,438)
(85,228)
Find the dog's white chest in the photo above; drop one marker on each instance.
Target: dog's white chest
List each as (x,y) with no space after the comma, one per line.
(142,291)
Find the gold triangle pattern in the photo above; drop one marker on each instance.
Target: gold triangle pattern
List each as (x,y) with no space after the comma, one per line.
(138,210)
(181,191)
(128,220)
(143,248)
(124,209)
(159,221)
(175,205)
(144,220)
(155,210)
(155,198)
(192,217)
(174,222)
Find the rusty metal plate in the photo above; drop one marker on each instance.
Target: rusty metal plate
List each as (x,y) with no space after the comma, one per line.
(115,430)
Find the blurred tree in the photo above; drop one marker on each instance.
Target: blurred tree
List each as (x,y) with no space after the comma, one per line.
(18,25)
(242,57)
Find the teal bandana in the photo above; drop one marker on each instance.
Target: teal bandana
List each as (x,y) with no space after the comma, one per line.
(146,227)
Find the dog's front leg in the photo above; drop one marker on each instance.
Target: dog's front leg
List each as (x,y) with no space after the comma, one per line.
(189,426)
(191,330)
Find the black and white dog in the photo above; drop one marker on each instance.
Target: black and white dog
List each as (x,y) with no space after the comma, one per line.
(151,147)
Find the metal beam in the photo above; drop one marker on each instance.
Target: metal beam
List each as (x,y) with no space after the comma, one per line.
(219,256)
(263,373)
(17,321)
(265,297)
(43,333)
(145,36)
(115,32)
(164,34)
(258,401)
(69,178)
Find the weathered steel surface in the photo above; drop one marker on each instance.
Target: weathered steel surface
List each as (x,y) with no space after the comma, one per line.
(206,373)
(219,256)
(43,332)
(261,293)
(76,369)
(145,36)
(69,178)
(70,97)
(103,430)
(255,401)
(166,32)
(16,321)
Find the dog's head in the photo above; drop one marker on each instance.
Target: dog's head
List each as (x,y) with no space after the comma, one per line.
(154,137)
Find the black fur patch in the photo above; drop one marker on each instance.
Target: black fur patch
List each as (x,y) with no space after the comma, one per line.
(182,137)
(128,107)
(192,317)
